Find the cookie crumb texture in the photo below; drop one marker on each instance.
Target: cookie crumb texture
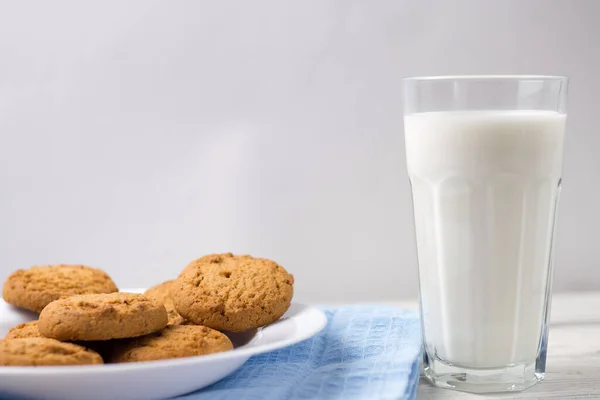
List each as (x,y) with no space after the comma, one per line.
(233,293)
(43,351)
(102,317)
(36,287)
(175,341)
(26,330)
(162,294)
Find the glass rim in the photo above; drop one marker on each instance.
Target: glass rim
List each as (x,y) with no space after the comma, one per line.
(486,77)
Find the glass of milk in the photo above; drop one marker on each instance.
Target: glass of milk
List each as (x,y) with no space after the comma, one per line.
(484,157)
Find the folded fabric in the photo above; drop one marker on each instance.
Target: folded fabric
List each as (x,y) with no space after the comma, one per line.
(365,352)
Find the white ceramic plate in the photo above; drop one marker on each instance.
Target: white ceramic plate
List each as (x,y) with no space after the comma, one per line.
(151,379)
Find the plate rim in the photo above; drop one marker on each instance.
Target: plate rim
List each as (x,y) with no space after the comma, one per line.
(304,311)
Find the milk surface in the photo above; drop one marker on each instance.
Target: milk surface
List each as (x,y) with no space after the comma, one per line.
(485,188)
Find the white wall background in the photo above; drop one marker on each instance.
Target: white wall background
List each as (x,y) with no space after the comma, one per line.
(138,135)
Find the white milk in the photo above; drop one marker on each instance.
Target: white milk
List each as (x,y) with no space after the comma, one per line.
(485,189)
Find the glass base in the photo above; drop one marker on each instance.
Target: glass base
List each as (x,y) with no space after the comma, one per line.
(512,378)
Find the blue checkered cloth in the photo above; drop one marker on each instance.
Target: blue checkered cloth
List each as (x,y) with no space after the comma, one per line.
(365,352)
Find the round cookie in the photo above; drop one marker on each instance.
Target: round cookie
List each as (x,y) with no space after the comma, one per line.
(36,287)
(162,294)
(233,293)
(26,330)
(44,351)
(30,330)
(102,317)
(174,341)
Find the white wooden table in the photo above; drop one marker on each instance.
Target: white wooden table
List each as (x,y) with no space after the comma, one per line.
(573,363)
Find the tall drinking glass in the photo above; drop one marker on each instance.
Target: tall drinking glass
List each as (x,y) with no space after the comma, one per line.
(484,157)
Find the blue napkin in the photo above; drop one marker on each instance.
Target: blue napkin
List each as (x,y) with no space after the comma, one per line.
(364,352)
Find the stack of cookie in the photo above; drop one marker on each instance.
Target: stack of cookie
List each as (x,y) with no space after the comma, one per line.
(84,319)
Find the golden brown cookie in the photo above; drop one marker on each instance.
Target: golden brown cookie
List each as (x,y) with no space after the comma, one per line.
(162,293)
(30,330)
(36,287)
(233,293)
(174,341)
(44,351)
(26,330)
(102,317)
